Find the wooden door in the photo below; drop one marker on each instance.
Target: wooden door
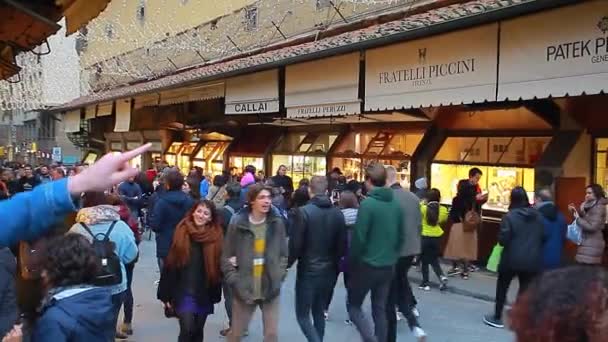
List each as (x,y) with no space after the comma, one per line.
(569,190)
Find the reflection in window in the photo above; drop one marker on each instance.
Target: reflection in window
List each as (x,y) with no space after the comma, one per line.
(494,150)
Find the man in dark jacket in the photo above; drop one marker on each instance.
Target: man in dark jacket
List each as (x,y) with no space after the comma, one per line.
(8,299)
(29,181)
(130,193)
(284,182)
(375,247)
(169,210)
(555,229)
(317,243)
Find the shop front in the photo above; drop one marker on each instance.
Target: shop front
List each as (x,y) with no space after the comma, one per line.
(210,152)
(360,147)
(252,147)
(304,153)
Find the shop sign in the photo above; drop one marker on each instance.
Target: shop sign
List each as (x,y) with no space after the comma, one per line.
(271,106)
(542,57)
(455,68)
(338,109)
(56,154)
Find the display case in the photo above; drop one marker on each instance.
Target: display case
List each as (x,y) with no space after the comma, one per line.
(601,162)
(361,148)
(304,154)
(506,162)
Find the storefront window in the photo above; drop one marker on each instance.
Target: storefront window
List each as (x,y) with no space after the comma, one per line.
(241,162)
(601,162)
(299,167)
(291,142)
(493,150)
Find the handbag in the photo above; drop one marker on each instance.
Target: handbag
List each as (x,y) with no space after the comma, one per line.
(575,233)
(495,257)
(471,221)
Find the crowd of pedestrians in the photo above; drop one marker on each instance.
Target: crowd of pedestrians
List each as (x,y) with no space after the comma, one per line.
(236,237)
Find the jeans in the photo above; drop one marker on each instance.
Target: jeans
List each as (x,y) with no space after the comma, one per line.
(227,290)
(365,278)
(431,247)
(330,294)
(502,287)
(391,317)
(161,264)
(311,297)
(191,327)
(242,313)
(128,304)
(117,301)
(406,300)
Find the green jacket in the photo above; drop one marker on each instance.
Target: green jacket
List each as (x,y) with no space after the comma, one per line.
(378,234)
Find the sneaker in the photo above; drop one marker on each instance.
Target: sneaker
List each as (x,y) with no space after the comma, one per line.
(399,316)
(493,321)
(157,282)
(348,322)
(464,276)
(419,334)
(326,314)
(121,336)
(126,329)
(473,268)
(416,312)
(225,332)
(454,272)
(425,287)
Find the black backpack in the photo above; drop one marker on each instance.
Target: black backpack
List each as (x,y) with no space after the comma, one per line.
(109,262)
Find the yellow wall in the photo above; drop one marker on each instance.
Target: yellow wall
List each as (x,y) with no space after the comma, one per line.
(131,36)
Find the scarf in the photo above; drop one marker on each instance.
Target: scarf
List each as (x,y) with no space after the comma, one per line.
(210,238)
(98,214)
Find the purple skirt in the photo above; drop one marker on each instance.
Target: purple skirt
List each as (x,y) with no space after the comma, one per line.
(188,305)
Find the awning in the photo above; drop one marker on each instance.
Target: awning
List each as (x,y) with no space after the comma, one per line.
(90,112)
(71,121)
(556,53)
(327,87)
(123,115)
(147,100)
(79,12)
(104,109)
(253,94)
(454,68)
(199,92)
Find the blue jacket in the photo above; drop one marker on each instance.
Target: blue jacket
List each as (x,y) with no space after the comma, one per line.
(170,208)
(555,235)
(204,188)
(30,214)
(77,315)
(131,194)
(124,242)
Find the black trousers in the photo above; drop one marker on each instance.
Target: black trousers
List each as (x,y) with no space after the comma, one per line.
(391,316)
(431,247)
(406,300)
(191,327)
(502,287)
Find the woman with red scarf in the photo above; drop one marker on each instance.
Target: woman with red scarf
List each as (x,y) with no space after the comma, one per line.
(190,282)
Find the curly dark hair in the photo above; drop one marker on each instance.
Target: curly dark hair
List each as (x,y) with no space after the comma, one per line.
(566,305)
(70,260)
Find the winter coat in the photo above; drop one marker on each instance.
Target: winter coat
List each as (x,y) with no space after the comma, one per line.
(21,214)
(169,209)
(522,236)
(204,188)
(555,234)
(247,180)
(592,221)
(8,297)
(28,184)
(377,238)
(412,220)
(318,238)
(239,243)
(175,283)
(99,219)
(78,314)
(284,182)
(217,195)
(131,195)
(465,200)
(235,205)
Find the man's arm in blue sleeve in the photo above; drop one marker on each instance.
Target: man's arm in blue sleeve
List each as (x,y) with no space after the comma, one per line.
(29,214)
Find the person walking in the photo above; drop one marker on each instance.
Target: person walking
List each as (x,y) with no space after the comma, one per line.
(169,209)
(29,181)
(466,206)
(283,182)
(130,192)
(73,309)
(422,187)
(254,260)
(217,192)
(433,216)
(231,207)
(247,180)
(318,241)
(401,295)
(8,294)
(349,205)
(44,175)
(522,235)
(591,219)
(98,220)
(555,229)
(190,283)
(376,244)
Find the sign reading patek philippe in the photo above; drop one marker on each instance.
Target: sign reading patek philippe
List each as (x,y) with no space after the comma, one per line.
(542,56)
(458,67)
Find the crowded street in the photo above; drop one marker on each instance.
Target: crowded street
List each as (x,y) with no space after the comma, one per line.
(446,317)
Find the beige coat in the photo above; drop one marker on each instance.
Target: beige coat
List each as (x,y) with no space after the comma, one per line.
(592,221)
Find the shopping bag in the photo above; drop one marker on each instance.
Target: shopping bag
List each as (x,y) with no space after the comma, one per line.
(575,234)
(494,259)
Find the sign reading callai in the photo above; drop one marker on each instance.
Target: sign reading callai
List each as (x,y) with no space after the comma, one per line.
(424,75)
(251,107)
